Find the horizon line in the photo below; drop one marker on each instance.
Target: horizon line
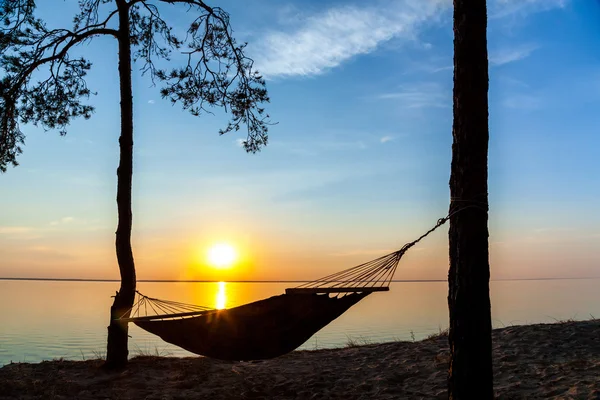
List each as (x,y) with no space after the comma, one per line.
(271,281)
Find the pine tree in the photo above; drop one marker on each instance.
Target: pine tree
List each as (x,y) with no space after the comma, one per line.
(217,74)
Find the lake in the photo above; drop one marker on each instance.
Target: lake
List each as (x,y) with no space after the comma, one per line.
(42,320)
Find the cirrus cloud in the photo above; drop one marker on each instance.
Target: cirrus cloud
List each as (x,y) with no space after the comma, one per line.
(324,40)
(512,54)
(338,34)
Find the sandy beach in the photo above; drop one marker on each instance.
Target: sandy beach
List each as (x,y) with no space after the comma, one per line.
(543,361)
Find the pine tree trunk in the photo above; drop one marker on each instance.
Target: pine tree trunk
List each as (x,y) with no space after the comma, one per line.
(470,372)
(117,352)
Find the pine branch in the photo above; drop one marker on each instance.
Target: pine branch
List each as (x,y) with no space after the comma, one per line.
(27,47)
(217,73)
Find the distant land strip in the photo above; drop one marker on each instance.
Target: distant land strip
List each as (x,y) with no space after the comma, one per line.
(189,280)
(273,281)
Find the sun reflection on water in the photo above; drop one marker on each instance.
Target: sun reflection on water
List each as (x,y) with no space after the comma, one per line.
(221,298)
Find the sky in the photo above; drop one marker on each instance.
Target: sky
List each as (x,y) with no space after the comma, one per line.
(357,165)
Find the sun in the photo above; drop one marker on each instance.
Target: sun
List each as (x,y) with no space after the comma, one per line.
(222,255)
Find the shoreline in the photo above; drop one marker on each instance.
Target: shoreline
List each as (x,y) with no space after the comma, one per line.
(559,360)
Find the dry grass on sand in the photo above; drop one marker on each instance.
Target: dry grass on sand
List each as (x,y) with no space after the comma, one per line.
(534,361)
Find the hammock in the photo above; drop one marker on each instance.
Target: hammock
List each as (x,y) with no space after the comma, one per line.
(271,327)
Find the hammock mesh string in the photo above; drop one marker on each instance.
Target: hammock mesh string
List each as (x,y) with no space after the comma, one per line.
(148,306)
(345,275)
(377,273)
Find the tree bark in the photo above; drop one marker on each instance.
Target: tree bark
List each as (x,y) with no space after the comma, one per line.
(470,371)
(117,352)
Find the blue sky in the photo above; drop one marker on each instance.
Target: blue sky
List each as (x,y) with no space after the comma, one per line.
(357,165)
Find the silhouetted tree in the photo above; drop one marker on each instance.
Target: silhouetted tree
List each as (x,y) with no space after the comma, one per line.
(216,72)
(470,371)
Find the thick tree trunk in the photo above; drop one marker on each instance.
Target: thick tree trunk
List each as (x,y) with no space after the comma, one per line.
(117,352)
(470,373)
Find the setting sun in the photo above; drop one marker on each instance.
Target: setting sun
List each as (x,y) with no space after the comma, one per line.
(222,255)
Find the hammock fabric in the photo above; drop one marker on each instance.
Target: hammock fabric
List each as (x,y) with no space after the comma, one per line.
(266,328)
(263,329)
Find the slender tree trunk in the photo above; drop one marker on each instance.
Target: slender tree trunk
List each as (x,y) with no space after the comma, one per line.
(470,372)
(117,352)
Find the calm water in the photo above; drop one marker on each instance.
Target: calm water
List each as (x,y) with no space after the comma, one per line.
(42,320)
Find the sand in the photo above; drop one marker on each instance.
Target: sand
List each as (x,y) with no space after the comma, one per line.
(545,361)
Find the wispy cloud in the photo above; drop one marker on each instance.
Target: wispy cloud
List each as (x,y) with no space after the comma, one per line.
(504,8)
(9,230)
(355,141)
(512,54)
(440,69)
(430,65)
(515,83)
(421,95)
(341,145)
(47,251)
(19,233)
(62,221)
(319,42)
(325,40)
(151,102)
(523,102)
